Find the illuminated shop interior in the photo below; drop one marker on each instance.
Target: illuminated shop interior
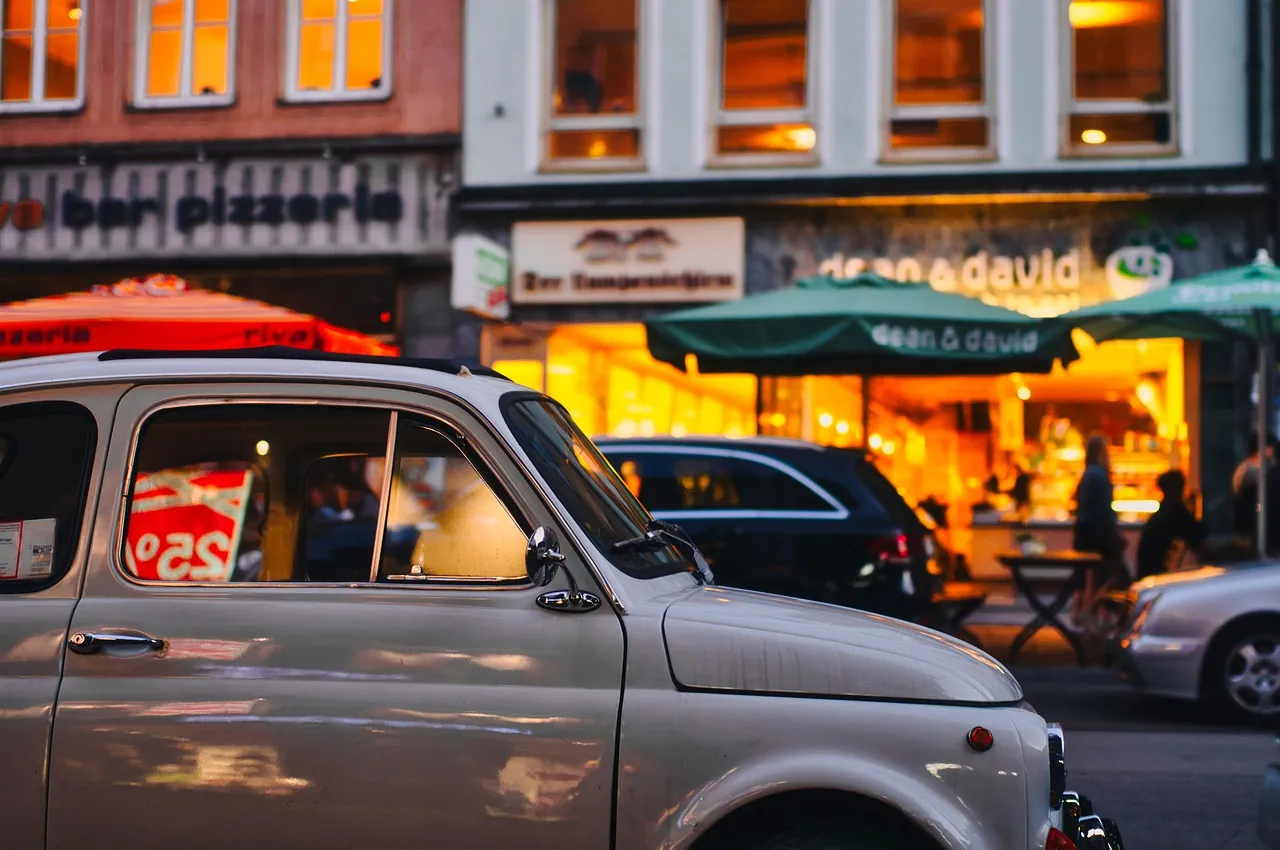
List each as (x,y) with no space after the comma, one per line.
(939,438)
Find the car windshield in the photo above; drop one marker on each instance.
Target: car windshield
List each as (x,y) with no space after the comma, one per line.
(588,487)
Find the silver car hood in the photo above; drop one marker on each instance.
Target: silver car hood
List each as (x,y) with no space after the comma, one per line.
(735,640)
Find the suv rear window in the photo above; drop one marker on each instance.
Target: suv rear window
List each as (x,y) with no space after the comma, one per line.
(46,458)
(884,492)
(691,481)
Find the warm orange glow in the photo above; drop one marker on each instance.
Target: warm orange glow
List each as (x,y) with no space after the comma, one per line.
(1085,14)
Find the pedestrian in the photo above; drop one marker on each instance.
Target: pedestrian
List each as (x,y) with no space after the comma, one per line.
(1171,530)
(1097,529)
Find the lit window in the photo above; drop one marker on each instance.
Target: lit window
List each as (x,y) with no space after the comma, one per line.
(595,115)
(186,52)
(339,50)
(764,97)
(1120,99)
(940,98)
(41,55)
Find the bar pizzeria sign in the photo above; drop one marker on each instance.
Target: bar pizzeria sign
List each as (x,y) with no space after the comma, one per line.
(390,205)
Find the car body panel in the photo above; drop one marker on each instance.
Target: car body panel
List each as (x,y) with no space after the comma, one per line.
(302,714)
(723,639)
(33,631)
(1166,656)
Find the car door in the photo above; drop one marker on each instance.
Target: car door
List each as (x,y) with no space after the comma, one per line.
(243,676)
(50,458)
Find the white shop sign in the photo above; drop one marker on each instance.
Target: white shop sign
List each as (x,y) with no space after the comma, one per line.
(481,272)
(645,261)
(1038,284)
(236,208)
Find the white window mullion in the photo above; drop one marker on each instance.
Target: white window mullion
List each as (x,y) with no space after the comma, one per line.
(39,50)
(340,48)
(186,69)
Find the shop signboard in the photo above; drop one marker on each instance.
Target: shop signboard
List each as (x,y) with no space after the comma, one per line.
(481,272)
(185,525)
(640,261)
(302,206)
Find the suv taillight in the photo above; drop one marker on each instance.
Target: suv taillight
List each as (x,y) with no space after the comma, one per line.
(895,548)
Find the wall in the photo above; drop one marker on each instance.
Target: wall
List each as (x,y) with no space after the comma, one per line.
(504,59)
(426,87)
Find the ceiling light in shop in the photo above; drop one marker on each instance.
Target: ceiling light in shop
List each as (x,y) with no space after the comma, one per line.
(1093,137)
(842,427)
(888,447)
(777,420)
(263,448)
(826,419)
(1024,393)
(74,13)
(804,138)
(875,442)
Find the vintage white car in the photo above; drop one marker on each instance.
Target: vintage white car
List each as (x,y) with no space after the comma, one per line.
(286,599)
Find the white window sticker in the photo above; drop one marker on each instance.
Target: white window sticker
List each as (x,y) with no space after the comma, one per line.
(26,549)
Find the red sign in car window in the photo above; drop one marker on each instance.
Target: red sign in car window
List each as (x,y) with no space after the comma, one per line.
(185,525)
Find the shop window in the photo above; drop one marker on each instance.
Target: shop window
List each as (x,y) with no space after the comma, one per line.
(1119,91)
(46,458)
(701,481)
(445,521)
(186,52)
(41,55)
(940,85)
(764,81)
(595,89)
(339,50)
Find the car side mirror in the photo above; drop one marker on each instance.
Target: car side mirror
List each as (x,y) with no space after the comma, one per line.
(542,562)
(542,557)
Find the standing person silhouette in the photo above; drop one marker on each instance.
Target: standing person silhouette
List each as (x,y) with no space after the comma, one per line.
(1097,529)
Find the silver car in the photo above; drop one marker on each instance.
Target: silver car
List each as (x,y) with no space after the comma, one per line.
(258,599)
(1211,634)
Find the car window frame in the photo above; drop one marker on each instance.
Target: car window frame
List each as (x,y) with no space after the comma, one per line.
(88,489)
(838,513)
(449,428)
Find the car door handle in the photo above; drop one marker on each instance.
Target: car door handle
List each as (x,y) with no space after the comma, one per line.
(91,643)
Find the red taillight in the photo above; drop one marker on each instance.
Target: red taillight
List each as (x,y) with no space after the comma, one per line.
(892,548)
(1058,841)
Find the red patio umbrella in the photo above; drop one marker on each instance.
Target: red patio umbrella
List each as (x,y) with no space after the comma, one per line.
(162,312)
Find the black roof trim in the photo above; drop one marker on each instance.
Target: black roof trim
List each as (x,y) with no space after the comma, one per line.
(280,352)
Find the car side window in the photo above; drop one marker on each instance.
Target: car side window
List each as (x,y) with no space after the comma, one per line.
(445,520)
(697,482)
(46,461)
(255,492)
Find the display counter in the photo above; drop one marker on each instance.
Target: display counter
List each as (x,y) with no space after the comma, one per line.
(996,535)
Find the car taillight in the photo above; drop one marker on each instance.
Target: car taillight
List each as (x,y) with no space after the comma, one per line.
(891,548)
(1058,841)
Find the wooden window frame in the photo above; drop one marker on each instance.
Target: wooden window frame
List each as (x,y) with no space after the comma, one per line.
(339,93)
(39,47)
(186,98)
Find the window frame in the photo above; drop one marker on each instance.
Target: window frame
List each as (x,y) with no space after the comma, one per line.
(721,117)
(40,44)
(339,93)
(186,98)
(435,420)
(837,513)
(892,112)
(89,485)
(1069,106)
(550,123)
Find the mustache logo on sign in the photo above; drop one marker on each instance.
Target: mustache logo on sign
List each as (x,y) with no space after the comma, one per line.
(605,246)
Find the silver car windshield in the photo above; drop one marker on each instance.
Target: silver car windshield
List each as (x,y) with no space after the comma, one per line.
(588,486)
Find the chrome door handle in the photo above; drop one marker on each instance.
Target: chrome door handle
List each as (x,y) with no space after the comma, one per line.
(91,643)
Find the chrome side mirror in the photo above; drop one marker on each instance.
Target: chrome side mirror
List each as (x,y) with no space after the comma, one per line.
(542,557)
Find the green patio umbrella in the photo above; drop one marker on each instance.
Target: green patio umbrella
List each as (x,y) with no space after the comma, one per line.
(1236,303)
(865,325)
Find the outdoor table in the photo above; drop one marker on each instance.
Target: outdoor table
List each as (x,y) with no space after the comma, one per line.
(1046,616)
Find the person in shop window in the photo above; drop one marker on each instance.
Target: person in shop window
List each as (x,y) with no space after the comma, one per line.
(1097,529)
(1171,528)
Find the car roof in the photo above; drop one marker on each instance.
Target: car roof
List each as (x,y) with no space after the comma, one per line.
(271,363)
(717,442)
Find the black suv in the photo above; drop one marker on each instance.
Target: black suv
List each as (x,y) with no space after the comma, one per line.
(788,517)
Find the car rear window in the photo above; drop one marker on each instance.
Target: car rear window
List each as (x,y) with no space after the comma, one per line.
(884,492)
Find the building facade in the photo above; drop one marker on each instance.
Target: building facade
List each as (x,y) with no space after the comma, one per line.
(627,157)
(301,153)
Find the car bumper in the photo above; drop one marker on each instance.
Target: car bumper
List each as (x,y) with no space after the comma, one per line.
(1159,666)
(1269,809)
(1085,827)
